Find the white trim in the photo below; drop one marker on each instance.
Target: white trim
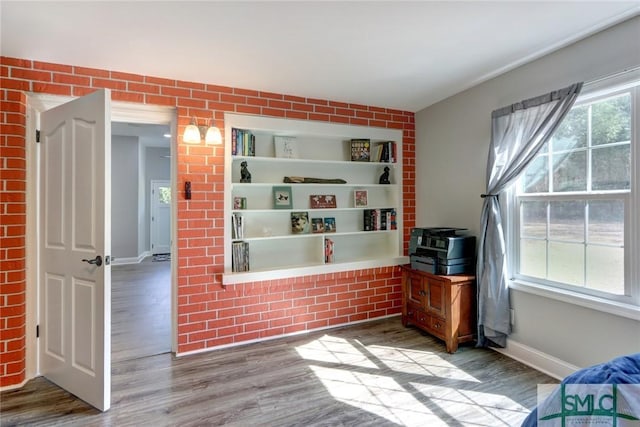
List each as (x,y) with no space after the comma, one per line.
(576,298)
(130,260)
(14,386)
(538,360)
(257,340)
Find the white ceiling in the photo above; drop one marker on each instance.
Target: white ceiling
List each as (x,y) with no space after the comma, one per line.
(396,54)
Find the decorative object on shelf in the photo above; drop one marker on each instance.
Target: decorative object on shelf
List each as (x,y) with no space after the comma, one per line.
(300,222)
(245,175)
(329,225)
(317,225)
(305,180)
(360,150)
(384,178)
(360,198)
(285,147)
(322,201)
(194,133)
(282,197)
(239,203)
(328,251)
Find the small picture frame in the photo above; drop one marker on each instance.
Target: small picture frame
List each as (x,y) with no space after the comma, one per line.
(282,197)
(329,225)
(317,225)
(239,203)
(300,222)
(285,147)
(360,198)
(322,201)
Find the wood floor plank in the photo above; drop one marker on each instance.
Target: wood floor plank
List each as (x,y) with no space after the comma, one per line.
(376,373)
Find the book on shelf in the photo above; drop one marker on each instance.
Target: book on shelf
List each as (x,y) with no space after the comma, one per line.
(386,152)
(317,225)
(300,223)
(243,142)
(239,203)
(322,201)
(360,150)
(237,226)
(379,219)
(240,256)
(328,251)
(285,147)
(329,225)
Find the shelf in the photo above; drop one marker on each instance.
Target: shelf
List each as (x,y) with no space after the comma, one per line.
(251,211)
(311,235)
(297,184)
(229,278)
(325,162)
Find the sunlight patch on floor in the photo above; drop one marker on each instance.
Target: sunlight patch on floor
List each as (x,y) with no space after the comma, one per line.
(418,362)
(334,350)
(474,408)
(380,395)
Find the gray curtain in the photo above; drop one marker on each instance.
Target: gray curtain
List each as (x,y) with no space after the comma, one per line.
(517,134)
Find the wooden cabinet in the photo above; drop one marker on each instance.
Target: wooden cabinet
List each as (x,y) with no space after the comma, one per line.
(320,150)
(443,306)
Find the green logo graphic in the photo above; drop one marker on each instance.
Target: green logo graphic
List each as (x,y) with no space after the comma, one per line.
(591,405)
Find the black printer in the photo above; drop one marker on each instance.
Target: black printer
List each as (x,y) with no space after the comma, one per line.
(442,250)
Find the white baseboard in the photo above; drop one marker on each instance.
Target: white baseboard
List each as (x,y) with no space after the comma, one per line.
(536,359)
(130,260)
(15,386)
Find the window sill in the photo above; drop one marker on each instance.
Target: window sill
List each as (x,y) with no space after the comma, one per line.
(629,311)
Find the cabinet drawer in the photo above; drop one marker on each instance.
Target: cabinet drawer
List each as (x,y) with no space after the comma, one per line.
(437,326)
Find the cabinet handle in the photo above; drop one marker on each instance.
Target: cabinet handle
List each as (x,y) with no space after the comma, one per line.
(422,293)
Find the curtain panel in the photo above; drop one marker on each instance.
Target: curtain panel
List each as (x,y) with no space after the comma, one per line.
(518,132)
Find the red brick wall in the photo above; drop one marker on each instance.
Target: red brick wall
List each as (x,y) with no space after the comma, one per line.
(208,313)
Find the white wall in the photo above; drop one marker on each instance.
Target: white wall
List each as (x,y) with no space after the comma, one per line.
(157,166)
(124,199)
(451,154)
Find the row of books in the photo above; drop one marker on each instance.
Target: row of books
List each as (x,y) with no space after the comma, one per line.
(386,152)
(240,256)
(243,142)
(380,219)
(237,226)
(361,151)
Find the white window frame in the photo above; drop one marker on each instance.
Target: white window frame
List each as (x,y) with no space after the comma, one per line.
(623,305)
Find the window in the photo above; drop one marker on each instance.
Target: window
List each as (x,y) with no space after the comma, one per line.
(572,210)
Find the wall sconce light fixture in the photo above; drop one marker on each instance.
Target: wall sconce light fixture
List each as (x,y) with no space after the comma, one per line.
(193,133)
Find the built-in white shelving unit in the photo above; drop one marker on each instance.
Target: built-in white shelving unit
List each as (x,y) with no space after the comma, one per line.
(322,151)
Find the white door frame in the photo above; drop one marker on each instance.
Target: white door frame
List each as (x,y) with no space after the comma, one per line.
(120,112)
(152,204)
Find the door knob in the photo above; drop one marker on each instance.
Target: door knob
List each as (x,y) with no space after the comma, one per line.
(96,261)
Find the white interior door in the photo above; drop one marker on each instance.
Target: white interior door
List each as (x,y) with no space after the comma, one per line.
(160,217)
(74,247)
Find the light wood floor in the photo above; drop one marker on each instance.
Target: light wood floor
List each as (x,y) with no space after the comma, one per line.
(371,374)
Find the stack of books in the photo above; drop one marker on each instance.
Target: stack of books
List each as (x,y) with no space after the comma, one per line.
(380,219)
(243,143)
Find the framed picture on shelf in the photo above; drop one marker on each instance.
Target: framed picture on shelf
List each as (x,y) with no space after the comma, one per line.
(360,198)
(282,197)
(329,225)
(300,222)
(317,225)
(322,201)
(285,147)
(239,203)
